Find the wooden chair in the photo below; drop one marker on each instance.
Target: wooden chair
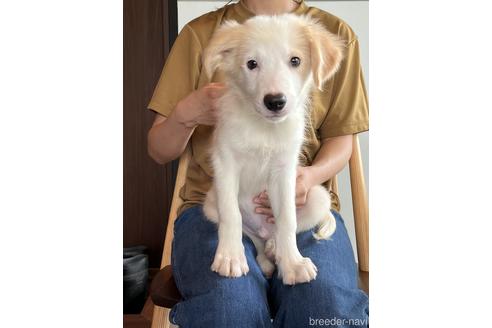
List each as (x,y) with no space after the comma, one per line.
(164,292)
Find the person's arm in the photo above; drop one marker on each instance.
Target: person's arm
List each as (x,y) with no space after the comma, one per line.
(331,158)
(167,138)
(176,135)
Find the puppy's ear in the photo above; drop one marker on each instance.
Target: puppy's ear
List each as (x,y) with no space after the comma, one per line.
(326,53)
(223,41)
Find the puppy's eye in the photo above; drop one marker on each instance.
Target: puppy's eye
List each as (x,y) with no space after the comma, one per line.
(295,61)
(252,64)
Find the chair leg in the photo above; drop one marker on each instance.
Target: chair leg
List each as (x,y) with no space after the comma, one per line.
(360,206)
(160,319)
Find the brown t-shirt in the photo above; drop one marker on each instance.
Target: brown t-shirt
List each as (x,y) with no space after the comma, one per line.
(340,109)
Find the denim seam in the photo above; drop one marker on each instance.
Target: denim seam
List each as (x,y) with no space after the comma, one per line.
(177,278)
(173,314)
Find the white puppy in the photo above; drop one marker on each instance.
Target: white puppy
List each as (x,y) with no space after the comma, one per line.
(270,66)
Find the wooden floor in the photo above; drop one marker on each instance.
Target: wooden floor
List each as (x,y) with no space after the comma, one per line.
(142,320)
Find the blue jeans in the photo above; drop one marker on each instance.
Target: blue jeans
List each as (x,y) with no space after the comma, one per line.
(252,301)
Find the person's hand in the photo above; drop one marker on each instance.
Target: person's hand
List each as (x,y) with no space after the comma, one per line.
(303,184)
(200,106)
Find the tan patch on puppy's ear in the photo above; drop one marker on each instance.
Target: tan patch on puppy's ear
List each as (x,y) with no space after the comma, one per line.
(223,41)
(326,53)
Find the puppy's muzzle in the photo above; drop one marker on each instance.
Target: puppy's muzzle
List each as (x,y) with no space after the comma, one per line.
(275,102)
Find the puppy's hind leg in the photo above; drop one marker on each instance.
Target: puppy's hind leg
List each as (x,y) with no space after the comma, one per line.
(326,227)
(316,212)
(267,266)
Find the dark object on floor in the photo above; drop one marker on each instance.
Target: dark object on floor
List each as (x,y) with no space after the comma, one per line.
(135,278)
(163,290)
(134,250)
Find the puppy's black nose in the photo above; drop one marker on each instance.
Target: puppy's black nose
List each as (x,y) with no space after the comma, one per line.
(276,102)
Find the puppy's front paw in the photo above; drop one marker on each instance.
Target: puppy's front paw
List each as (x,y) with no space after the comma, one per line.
(297,271)
(230,261)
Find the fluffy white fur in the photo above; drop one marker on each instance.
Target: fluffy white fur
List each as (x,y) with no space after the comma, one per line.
(255,149)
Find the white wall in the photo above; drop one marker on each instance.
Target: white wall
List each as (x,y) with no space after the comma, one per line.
(356,14)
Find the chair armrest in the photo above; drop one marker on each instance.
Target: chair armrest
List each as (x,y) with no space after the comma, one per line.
(360,206)
(175,204)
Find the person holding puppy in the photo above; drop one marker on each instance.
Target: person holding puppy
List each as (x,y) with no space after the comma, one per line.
(185,103)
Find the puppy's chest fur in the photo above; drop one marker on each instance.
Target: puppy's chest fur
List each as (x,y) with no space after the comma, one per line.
(258,149)
(247,134)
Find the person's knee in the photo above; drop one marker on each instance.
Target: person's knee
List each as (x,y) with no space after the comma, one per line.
(340,302)
(319,302)
(234,302)
(244,293)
